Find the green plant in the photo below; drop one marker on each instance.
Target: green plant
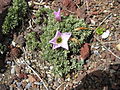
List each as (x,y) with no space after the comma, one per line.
(32,42)
(64,61)
(2,48)
(41,15)
(15,15)
(100,30)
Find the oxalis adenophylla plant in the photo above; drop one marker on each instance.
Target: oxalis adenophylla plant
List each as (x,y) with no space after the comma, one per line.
(15,15)
(60,42)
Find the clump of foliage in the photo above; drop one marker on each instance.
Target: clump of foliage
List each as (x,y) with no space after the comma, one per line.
(64,61)
(100,30)
(32,42)
(15,15)
(41,15)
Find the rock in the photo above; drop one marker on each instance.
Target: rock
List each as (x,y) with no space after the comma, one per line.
(85,51)
(118,1)
(31,78)
(15,52)
(13,69)
(38,83)
(28,86)
(113,58)
(4,87)
(118,47)
(103,55)
(22,76)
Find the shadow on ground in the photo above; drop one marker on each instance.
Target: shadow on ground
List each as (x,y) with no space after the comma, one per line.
(101,80)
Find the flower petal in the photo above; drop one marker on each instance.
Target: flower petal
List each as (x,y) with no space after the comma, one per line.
(64,45)
(57,15)
(56,46)
(65,36)
(53,41)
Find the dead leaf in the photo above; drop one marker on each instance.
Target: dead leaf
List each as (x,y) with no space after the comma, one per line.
(80,28)
(74,40)
(85,51)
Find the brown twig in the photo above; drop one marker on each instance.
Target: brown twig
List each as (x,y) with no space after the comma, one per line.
(103,21)
(116,41)
(106,47)
(102,43)
(60,86)
(34,70)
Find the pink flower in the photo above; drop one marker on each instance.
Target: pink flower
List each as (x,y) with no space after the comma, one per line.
(57,15)
(60,40)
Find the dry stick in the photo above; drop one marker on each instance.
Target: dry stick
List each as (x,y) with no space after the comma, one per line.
(104,20)
(101,41)
(106,48)
(34,71)
(117,41)
(59,86)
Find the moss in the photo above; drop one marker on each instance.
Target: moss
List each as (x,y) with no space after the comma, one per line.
(32,42)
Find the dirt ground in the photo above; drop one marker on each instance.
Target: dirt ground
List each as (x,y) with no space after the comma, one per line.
(102,68)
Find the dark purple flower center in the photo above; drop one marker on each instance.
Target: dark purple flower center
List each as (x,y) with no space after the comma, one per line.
(59,40)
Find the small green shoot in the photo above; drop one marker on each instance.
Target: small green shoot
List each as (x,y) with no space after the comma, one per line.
(100,30)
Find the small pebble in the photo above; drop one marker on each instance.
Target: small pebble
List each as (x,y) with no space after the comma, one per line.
(51,67)
(19,84)
(12,69)
(28,86)
(38,83)
(118,47)
(105,34)
(13,43)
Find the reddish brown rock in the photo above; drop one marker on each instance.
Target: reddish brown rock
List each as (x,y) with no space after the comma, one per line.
(85,51)
(15,52)
(22,76)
